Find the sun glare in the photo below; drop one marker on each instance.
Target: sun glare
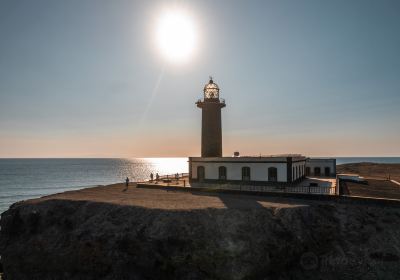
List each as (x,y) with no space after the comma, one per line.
(176,36)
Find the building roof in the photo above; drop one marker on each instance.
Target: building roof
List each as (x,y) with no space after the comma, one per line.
(275,158)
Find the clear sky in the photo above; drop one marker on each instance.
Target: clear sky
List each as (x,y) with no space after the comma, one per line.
(84,78)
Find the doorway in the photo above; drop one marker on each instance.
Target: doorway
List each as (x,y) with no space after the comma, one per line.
(200,173)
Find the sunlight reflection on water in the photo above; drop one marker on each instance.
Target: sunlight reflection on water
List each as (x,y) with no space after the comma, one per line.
(22,179)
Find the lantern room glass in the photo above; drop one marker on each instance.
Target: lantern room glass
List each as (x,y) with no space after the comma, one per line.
(211,90)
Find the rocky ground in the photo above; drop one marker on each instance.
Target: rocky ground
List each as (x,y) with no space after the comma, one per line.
(372,170)
(118,233)
(372,188)
(377,180)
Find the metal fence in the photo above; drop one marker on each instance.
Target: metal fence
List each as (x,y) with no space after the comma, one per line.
(283,189)
(168,178)
(172,176)
(173,179)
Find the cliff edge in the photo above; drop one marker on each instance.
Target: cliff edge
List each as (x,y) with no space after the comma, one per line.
(117,233)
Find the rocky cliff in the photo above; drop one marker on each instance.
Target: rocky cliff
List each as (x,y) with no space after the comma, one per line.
(60,238)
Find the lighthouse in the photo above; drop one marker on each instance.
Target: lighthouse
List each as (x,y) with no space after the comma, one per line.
(251,172)
(211,131)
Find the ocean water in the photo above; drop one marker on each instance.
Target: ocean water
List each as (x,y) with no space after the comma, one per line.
(22,179)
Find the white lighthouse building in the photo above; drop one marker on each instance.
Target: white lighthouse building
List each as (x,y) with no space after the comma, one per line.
(213,168)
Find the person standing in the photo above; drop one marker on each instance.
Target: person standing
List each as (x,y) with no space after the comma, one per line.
(127,181)
(151,177)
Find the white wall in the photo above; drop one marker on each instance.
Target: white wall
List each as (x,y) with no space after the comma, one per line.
(321,163)
(258,171)
(301,169)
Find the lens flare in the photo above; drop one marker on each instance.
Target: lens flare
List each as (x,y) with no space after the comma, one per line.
(176,36)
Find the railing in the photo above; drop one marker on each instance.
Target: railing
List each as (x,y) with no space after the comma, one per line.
(282,189)
(221,100)
(172,177)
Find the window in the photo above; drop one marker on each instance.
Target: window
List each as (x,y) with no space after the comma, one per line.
(327,171)
(246,173)
(317,171)
(272,174)
(222,173)
(307,171)
(200,173)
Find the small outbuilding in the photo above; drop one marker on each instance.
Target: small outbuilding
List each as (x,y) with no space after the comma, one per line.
(247,170)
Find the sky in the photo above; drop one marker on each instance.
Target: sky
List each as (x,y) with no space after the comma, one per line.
(85,78)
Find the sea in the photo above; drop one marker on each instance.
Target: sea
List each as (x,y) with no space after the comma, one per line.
(22,179)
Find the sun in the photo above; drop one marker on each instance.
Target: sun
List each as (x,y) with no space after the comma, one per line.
(176,36)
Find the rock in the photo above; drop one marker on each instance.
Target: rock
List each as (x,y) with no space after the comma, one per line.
(67,239)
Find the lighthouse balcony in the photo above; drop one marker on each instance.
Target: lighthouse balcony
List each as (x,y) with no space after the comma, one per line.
(201,102)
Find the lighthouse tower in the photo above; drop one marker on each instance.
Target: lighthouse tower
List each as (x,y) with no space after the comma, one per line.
(211,132)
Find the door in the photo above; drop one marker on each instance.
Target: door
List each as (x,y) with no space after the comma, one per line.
(200,173)
(245,173)
(222,173)
(272,174)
